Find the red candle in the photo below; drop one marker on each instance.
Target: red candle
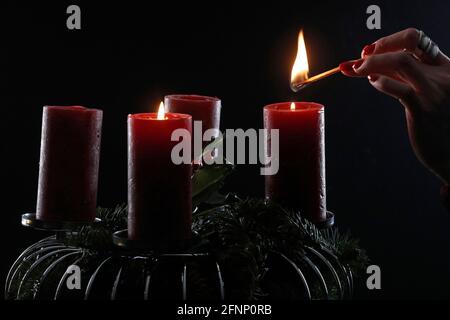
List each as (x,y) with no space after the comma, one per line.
(201,108)
(159,191)
(68,168)
(299,183)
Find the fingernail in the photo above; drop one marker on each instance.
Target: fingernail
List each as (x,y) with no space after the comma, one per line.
(357,64)
(346,66)
(373,77)
(368,50)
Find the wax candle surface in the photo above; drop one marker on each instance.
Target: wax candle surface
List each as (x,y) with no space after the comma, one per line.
(300,181)
(159,192)
(69,162)
(201,108)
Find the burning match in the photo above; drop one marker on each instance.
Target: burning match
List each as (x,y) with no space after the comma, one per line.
(296,86)
(299,75)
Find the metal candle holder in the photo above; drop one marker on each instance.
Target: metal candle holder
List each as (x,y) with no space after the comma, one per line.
(30,220)
(130,271)
(327,223)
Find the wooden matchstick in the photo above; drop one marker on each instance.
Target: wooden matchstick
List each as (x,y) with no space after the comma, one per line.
(296,86)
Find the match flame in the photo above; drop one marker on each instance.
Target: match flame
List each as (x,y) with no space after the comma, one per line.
(301,68)
(292,106)
(161,112)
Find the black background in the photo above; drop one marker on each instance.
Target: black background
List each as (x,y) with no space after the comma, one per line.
(128,55)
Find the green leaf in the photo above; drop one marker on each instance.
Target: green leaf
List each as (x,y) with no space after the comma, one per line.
(215,144)
(208,180)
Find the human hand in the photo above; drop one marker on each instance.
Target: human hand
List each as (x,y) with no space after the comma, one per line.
(421,84)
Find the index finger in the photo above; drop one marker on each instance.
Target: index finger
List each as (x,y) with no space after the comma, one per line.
(407,39)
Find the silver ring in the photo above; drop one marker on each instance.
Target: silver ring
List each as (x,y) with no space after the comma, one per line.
(426,47)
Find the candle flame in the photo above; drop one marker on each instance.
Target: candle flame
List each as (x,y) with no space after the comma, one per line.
(292,106)
(301,67)
(161,112)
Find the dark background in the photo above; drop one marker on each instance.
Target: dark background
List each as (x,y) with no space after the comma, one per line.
(129,55)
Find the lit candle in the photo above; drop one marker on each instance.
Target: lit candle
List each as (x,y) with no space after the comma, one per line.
(300,181)
(68,167)
(159,191)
